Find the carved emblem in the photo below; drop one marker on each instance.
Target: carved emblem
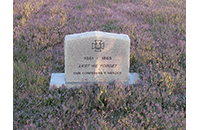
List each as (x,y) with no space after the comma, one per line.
(98,45)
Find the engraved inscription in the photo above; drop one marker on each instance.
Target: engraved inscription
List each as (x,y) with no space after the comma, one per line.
(107,58)
(84,73)
(76,73)
(98,45)
(95,73)
(98,65)
(88,58)
(92,58)
(95,66)
(108,65)
(84,65)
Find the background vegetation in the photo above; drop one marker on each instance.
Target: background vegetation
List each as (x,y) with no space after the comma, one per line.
(157,30)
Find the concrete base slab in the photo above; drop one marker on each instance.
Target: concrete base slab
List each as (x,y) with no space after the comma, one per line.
(133,78)
(58,80)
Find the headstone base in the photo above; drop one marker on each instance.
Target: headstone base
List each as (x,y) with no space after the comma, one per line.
(58,80)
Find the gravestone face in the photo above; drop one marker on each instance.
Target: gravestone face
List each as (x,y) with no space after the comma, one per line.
(96,56)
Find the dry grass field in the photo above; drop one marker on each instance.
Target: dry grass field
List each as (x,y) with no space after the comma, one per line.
(157,30)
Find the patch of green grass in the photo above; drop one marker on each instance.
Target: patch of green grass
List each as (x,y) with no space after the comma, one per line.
(78,7)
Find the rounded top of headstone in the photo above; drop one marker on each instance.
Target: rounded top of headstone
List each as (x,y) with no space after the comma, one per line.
(98,34)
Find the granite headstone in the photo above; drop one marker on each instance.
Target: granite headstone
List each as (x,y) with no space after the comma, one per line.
(95,57)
